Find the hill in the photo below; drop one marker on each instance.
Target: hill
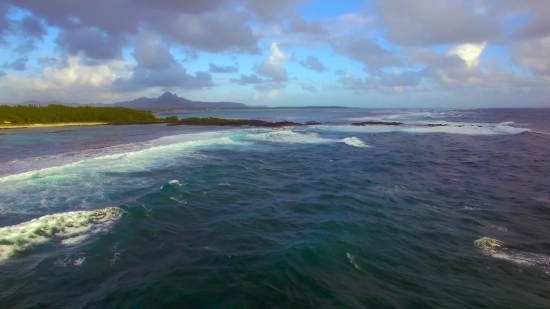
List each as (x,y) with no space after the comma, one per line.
(170,100)
(167,100)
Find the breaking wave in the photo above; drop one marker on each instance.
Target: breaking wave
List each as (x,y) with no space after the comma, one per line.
(445,127)
(496,248)
(408,117)
(288,136)
(355,142)
(99,179)
(69,228)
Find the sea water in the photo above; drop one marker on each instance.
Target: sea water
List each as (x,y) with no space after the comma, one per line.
(322,216)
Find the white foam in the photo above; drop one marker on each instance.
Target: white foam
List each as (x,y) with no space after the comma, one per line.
(497,249)
(175,182)
(69,228)
(450,128)
(75,240)
(290,137)
(169,145)
(498,228)
(414,115)
(97,179)
(409,117)
(523,258)
(68,259)
(78,262)
(542,199)
(178,200)
(355,142)
(351,259)
(361,119)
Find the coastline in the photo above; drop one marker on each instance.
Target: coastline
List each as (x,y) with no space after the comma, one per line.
(47,125)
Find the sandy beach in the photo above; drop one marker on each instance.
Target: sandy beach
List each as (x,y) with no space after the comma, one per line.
(38,125)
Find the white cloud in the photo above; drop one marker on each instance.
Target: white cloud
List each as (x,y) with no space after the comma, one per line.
(469,53)
(272,66)
(73,81)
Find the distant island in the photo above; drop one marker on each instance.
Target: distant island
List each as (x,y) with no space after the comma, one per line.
(167,101)
(139,111)
(170,102)
(21,116)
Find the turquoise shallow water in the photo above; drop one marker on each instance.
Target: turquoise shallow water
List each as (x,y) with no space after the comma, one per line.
(329,216)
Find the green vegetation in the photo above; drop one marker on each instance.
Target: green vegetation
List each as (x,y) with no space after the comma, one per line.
(31,114)
(171,119)
(210,121)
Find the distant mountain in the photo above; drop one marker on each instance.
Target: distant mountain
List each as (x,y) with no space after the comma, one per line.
(166,100)
(171,100)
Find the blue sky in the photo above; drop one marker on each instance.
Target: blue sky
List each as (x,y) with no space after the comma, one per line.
(376,53)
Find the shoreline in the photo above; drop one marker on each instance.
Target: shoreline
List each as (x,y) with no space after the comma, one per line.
(48,125)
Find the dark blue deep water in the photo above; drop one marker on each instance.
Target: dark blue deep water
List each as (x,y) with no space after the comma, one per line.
(324,216)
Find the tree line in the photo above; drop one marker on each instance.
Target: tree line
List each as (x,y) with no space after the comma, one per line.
(28,114)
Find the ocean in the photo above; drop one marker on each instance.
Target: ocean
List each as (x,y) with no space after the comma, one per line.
(321,216)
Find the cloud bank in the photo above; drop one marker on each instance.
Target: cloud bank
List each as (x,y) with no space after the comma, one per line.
(401,52)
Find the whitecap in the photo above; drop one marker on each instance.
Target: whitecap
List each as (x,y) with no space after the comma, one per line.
(97,178)
(78,262)
(351,259)
(541,199)
(355,142)
(178,200)
(496,248)
(131,157)
(405,117)
(497,228)
(175,182)
(69,228)
(69,259)
(289,136)
(445,127)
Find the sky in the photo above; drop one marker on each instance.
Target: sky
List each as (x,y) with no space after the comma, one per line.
(374,53)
